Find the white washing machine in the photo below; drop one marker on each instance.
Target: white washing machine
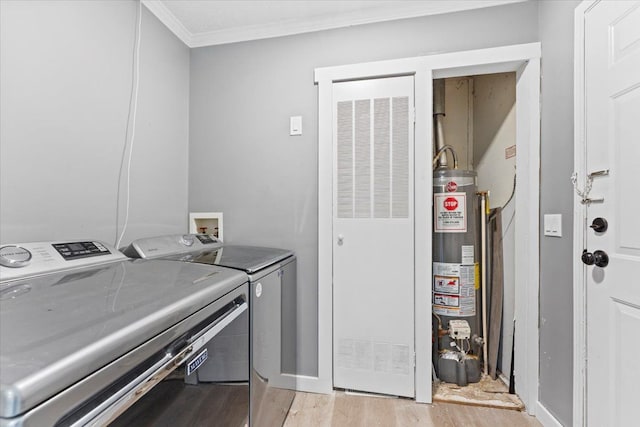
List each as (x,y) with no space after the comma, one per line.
(86,332)
(270,362)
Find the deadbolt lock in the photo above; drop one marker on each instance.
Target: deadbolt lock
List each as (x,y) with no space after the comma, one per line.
(599,225)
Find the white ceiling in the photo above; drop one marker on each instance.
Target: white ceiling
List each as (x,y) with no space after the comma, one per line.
(210,22)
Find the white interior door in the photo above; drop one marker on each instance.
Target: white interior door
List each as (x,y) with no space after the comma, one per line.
(373,249)
(612,100)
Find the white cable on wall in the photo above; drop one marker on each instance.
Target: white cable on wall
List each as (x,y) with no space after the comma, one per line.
(131,118)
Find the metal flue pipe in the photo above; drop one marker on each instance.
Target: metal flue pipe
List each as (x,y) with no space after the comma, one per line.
(440,159)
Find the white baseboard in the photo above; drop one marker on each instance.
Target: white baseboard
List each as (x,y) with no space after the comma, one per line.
(545,417)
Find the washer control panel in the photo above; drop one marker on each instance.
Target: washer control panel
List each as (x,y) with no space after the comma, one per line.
(76,250)
(32,259)
(162,246)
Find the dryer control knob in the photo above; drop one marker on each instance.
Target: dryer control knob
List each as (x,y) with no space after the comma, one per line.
(187,240)
(14,256)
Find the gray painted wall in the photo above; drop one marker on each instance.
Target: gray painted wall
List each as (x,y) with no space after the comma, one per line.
(556,254)
(243,161)
(65,80)
(62,120)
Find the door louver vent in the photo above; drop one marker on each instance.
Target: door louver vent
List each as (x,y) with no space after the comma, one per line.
(400,205)
(362,147)
(373,158)
(345,159)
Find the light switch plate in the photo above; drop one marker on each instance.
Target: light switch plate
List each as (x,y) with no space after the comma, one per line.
(553,225)
(295,125)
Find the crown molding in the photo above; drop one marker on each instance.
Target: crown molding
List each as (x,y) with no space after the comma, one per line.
(169,20)
(286,28)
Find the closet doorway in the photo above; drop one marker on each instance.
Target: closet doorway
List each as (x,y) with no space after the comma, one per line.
(524,60)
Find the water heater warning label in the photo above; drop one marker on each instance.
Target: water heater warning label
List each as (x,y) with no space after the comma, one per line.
(454,291)
(446,284)
(449,215)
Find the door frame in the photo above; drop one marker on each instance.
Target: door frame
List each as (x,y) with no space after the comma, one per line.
(524,59)
(579,217)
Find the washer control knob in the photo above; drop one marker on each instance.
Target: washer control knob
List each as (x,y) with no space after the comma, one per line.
(14,256)
(187,240)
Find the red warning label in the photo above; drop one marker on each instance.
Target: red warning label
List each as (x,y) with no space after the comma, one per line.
(450,212)
(454,291)
(446,284)
(450,203)
(447,302)
(451,187)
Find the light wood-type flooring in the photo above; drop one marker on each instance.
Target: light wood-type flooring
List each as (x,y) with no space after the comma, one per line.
(175,404)
(346,410)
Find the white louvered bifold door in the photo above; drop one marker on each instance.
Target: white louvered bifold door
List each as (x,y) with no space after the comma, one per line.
(373,251)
